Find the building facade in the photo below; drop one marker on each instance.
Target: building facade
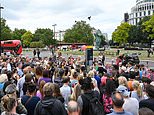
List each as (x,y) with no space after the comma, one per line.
(140,10)
(59,35)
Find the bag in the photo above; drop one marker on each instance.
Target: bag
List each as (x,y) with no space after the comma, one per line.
(95,106)
(107,103)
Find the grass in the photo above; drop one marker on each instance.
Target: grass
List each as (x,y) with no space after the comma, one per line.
(112,53)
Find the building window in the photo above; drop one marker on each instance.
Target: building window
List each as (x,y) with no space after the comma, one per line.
(136,14)
(144,13)
(140,13)
(148,12)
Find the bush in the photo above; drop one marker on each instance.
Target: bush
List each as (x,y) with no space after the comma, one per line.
(37,45)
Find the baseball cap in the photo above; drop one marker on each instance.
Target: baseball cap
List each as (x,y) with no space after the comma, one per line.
(123,90)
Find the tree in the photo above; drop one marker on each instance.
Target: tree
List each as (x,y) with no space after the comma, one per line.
(149,28)
(17,33)
(27,38)
(6,31)
(121,34)
(44,35)
(133,38)
(79,33)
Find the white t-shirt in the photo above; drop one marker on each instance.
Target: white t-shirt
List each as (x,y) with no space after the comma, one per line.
(131,105)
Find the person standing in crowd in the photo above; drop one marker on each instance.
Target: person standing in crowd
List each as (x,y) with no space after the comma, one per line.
(137,92)
(106,96)
(49,105)
(45,77)
(11,92)
(39,92)
(73,108)
(149,103)
(130,104)
(19,69)
(30,100)
(34,52)
(145,111)
(66,89)
(38,53)
(57,94)
(118,102)
(10,105)
(84,99)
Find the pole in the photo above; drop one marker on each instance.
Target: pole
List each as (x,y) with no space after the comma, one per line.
(0,29)
(54,29)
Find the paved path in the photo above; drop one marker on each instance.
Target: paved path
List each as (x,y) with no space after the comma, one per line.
(148,63)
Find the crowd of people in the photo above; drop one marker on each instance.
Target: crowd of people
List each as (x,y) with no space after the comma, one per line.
(64,86)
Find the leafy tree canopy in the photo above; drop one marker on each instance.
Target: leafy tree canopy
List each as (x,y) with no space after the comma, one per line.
(44,35)
(27,38)
(5,30)
(121,34)
(17,33)
(81,32)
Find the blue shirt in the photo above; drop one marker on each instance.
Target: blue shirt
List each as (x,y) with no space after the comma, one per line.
(120,113)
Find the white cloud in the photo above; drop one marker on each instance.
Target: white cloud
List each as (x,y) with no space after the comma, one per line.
(33,14)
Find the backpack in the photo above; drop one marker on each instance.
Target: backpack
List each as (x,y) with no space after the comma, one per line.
(95,106)
(107,103)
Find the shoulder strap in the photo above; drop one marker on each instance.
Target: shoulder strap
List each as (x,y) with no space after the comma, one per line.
(28,101)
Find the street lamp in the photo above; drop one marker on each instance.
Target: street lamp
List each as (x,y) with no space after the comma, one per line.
(54,30)
(0,29)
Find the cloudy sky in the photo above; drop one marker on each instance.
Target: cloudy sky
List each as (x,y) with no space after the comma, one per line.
(106,15)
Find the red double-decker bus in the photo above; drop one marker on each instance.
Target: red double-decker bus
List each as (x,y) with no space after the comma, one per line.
(12,46)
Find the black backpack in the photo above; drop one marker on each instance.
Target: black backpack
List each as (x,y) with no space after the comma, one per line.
(95,106)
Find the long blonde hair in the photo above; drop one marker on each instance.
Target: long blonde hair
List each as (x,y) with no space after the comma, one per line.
(136,86)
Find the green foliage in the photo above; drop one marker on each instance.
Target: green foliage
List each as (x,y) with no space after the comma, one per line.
(149,28)
(38,44)
(17,33)
(27,38)
(5,30)
(79,33)
(44,35)
(121,34)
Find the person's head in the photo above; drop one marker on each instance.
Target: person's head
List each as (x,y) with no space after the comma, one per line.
(117,100)
(122,81)
(123,90)
(11,90)
(150,91)
(19,65)
(31,88)
(48,89)
(3,78)
(46,73)
(9,103)
(66,79)
(39,70)
(28,77)
(145,111)
(86,84)
(110,87)
(75,75)
(91,74)
(56,92)
(73,108)
(5,85)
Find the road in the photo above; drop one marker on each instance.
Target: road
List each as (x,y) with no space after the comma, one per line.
(147,63)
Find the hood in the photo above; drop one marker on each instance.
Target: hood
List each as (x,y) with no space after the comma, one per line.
(48,102)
